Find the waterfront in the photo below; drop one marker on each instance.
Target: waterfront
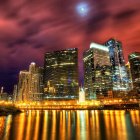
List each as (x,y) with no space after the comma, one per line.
(71,125)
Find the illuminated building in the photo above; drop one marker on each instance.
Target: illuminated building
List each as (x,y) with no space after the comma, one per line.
(1,91)
(134,60)
(15,93)
(81,95)
(97,72)
(36,79)
(61,74)
(128,70)
(23,86)
(3,95)
(30,84)
(120,77)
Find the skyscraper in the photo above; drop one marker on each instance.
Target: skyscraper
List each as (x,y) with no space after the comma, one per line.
(134,59)
(30,84)
(129,75)
(120,77)
(15,93)
(23,86)
(61,73)
(97,71)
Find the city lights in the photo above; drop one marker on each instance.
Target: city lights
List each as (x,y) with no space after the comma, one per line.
(108,85)
(69,70)
(106,77)
(98,46)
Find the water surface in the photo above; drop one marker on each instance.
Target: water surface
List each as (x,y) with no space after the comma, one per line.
(71,125)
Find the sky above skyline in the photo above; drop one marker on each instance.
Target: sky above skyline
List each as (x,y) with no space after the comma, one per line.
(28,29)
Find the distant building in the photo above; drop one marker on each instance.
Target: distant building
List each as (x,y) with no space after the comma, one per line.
(1,91)
(23,86)
(81,95)
(3,95)
(15,92)
(61,74)
(97,72)
(129,75)
(120,77)
(30,85)
(134,59)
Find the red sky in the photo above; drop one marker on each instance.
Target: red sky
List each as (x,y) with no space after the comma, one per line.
(29,28)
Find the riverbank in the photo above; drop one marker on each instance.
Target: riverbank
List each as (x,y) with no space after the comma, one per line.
(6,110)
(80,107)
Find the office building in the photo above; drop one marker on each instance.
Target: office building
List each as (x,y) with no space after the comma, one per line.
(119,73)
(134,60)
(23,85)
(81,95)
(30,85)
(61,74)
(97,72)
(128,70)
(15,92)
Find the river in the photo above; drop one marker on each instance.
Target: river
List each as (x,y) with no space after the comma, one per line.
(71,125)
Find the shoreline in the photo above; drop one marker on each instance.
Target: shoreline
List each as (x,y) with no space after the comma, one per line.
(81,108)
(12,109)
(9,110)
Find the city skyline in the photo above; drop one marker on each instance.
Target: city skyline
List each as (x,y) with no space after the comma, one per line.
(69,69)
(102,47)
(63,57)
(28,30)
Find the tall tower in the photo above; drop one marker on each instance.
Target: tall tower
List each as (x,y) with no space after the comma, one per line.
(34,78)
(129,75)
(1,91)
(134,59)
(61,73)
(30,84)
(23,85)
(97,71)
(15,93)
(120,77)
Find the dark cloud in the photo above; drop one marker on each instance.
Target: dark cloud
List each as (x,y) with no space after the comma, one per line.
(127,14)
(97,22)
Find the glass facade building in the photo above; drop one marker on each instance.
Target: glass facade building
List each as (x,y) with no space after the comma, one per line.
(97,72)
(61,74)
(129,75)
(134,60)
(120,77)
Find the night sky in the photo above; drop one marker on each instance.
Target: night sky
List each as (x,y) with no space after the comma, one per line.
(29,28)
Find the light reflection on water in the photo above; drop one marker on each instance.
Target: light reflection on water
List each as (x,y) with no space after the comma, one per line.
(71,125)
